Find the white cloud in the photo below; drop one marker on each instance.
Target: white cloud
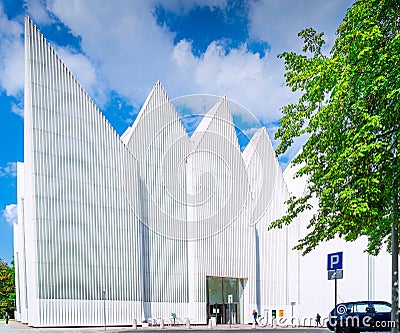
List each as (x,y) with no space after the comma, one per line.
(244,77)
(11,56)
(252,81)
(10,214)
(10,170)
(37,11)
(17,109)
(132,52)
(183,56)
(279,22)
(250,131)
(122,38)
(126,51)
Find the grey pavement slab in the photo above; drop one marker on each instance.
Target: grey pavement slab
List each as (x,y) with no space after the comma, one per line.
(16,327)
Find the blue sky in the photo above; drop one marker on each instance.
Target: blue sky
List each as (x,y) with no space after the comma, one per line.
(118,49)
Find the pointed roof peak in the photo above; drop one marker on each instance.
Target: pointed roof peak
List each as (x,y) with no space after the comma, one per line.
(157,96)
(258,136)
(39,54)
(217,106)
(156,102)
(28,20)
(158,86)
(263,131)
(220,112)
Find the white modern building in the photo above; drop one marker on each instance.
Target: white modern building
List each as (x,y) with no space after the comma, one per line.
(148,224)
(153,222)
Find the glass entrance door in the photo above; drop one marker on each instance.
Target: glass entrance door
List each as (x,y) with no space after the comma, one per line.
(221,291)
(231,313)
(218,311)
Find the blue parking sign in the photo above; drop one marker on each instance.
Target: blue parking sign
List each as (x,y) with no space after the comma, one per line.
(335,261)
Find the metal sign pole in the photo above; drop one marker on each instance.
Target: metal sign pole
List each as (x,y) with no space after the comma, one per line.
(230,315)
(335,272)
(335,291)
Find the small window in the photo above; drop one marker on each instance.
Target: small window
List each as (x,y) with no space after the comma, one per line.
(361,307)
(382,307)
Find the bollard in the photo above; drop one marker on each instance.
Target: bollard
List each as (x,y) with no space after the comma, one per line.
(210,324)
(253,326)
(188,323)
(134,324)
(162,324)
(274,326)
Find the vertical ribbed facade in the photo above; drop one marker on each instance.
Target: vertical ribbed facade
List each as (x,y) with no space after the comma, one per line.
(267,190)
(146,217)
(160,143)
(220,231)
(81,195)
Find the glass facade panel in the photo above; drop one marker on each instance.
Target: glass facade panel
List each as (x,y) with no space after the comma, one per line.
(231,287)
(214,290)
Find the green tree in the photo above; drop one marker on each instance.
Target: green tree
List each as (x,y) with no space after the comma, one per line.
(349,107)
(7,288)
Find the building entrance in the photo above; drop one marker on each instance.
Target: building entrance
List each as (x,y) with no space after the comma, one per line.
(220,291)
(223,312)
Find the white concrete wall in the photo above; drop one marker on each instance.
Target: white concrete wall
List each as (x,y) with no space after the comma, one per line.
(361,280)
(21,313)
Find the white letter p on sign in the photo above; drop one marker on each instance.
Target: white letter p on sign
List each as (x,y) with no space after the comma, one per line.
(334,260)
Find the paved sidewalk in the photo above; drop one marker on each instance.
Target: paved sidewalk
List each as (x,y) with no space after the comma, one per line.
(16,327)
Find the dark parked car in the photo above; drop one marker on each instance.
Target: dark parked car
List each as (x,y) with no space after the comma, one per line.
(361,316)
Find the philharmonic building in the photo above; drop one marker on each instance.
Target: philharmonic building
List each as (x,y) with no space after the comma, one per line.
(146,224)
(151,223)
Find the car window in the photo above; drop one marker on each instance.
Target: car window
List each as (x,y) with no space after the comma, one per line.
(382,307)
(361,307)
(350,307)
